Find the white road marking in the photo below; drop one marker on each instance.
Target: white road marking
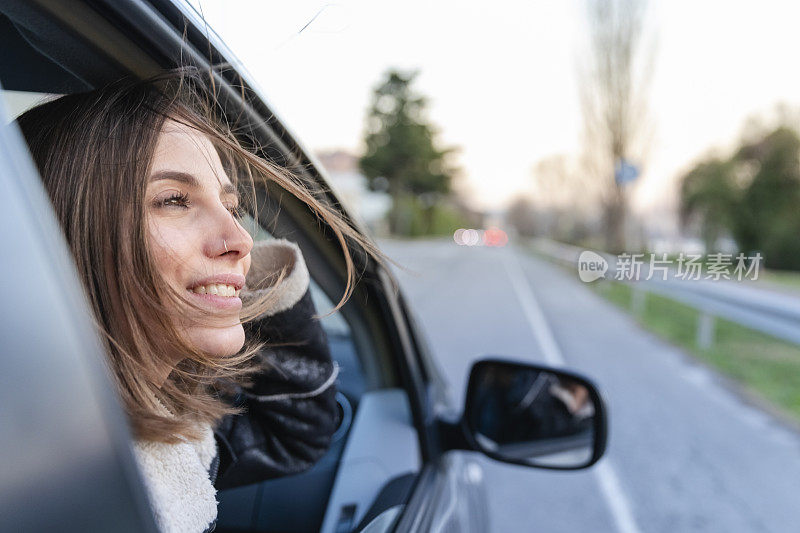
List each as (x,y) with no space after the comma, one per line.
(615,497)
(610,486)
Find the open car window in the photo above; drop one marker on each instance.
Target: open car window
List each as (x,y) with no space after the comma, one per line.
(361,336)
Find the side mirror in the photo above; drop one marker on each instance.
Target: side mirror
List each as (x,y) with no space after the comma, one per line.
(534,415)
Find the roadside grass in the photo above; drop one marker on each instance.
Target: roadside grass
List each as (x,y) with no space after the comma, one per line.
(765,366)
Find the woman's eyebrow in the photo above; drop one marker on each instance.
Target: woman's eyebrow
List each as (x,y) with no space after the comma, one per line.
(188,179)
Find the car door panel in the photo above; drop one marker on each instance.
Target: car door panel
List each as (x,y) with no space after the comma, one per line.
(382,445)
(449,497)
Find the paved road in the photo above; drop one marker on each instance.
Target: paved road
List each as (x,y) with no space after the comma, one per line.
(685,453)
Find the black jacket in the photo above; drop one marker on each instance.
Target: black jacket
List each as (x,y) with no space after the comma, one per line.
(290,409)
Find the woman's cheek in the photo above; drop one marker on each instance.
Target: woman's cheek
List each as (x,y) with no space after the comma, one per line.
(171,248)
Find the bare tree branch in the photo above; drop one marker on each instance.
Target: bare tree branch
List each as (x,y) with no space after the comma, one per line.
(614,78)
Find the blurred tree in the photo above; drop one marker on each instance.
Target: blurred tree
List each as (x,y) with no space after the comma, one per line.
(614,76)
(708,198)
(768,218)
(754,195)
(562,204)
(401,153)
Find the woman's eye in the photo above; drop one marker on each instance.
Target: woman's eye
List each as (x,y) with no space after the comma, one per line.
(178,200)
(182,200)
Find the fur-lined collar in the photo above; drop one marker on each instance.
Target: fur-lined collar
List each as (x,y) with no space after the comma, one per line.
(182,497)
(268,258)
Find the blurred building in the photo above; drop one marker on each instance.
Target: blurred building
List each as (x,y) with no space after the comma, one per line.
(351,187)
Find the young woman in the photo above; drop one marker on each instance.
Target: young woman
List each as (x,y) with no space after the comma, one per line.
(212,342)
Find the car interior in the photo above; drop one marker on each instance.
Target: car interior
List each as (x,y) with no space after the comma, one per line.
(51,53)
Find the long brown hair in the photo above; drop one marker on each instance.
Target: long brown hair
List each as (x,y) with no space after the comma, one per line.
(94,151)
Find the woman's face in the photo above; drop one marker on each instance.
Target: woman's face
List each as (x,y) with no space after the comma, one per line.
(200,248)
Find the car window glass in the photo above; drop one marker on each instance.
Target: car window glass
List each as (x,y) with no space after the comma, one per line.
(351,380)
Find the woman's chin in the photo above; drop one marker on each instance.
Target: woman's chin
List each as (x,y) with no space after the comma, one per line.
(218,342)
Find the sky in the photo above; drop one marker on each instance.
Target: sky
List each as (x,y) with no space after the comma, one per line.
(501,77)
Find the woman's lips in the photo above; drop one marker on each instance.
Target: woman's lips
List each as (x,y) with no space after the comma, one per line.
(233,303)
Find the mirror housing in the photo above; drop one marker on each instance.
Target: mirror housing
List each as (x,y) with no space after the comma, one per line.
(532,415)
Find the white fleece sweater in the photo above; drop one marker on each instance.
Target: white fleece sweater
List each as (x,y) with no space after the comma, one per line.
(181,495)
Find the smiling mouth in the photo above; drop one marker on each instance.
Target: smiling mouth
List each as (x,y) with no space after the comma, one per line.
(216,289)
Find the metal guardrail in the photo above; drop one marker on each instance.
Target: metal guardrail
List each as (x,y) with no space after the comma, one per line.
(769,312)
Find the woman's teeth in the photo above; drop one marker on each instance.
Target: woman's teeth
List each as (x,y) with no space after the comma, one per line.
(216,289)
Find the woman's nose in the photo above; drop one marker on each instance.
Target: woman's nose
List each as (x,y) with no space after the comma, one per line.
(231,239)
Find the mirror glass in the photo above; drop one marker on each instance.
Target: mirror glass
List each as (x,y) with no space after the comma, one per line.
(532,416)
